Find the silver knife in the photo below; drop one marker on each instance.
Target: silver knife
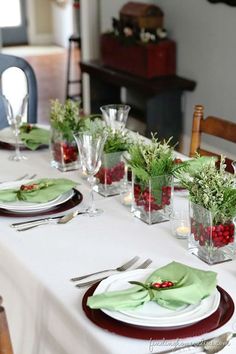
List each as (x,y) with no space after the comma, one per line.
(17,224)
(63,219)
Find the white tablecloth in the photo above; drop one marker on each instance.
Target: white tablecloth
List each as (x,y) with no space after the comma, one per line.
(43,306)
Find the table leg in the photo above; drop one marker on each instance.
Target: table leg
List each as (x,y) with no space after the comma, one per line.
(102,93)
(164,116)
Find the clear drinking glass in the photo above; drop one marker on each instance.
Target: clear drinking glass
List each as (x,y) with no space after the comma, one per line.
(15,121)
(90,150)
(115,115)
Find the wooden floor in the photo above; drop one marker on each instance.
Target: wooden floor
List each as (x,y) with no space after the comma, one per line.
(50,72)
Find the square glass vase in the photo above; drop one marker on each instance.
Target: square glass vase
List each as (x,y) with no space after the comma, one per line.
(153,200)
(64,153)
(211,242)
(111,175)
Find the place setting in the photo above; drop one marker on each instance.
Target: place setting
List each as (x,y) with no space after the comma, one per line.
(19,135)
(173,301)
(38,197)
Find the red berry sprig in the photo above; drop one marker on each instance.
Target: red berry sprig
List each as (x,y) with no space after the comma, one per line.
(29,187)
(163,284)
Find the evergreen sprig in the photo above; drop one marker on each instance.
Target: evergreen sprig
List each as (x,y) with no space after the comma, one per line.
(116,141)
(152,159)
(65,117)
(211,188)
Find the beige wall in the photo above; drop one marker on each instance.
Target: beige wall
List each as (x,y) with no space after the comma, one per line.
(43,16)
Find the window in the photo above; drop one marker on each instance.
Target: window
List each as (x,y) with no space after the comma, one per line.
(10,13)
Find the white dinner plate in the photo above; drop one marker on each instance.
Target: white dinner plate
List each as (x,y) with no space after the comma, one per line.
(29,207)
(6,135)
(151,314)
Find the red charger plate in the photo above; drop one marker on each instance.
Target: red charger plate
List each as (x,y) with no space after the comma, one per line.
(76,199)
(221,316)
(7,146)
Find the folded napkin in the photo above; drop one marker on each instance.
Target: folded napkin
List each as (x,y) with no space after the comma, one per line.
(38,191)
(33,136)
(191,285)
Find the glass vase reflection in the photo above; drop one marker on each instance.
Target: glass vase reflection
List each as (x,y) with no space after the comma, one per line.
(111,174)
(211,242)
(64,153)
(152,199)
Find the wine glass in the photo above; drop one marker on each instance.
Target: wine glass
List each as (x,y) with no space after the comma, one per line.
(90,146)
(115,115)
(15,122)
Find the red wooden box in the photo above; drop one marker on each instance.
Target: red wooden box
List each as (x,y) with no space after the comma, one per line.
(146,60)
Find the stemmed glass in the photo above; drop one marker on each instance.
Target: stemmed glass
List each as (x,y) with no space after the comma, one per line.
(115,115)
(90,146)
(15,122)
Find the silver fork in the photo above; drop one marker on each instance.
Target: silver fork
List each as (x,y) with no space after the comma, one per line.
(144,265)
(17,179)
(22,177)
(33,176)
(122,268)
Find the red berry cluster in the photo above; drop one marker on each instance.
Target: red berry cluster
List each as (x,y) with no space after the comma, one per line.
(65,152)
(29,187)
(146,199)
(163,284)
(110,175)
(221,234)
(177,160)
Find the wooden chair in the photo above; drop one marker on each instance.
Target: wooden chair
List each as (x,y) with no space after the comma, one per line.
(9,61)
(5,340)
(214,126)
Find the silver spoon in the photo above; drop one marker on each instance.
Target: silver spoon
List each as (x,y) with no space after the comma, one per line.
(210,346)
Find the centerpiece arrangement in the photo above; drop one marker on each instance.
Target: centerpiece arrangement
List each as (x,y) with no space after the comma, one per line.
(212,196)
(112,171)
(65,120)
(152,167)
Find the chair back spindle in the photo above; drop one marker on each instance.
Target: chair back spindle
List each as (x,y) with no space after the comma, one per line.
(214,126)
(5,340)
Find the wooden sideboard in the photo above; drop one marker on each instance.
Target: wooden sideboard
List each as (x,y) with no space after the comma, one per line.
(160,97)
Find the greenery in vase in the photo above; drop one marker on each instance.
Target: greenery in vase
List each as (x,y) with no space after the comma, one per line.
(211,188)
(92,124)
(152,159)
(65,118)
(117,141)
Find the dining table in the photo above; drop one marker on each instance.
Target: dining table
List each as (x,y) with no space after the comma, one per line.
(44,307)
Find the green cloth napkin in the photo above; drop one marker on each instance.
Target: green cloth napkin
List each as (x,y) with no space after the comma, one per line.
(34,137)
(49,189)
(192,285)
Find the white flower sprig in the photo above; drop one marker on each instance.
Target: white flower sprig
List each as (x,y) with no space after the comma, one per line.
(212,188)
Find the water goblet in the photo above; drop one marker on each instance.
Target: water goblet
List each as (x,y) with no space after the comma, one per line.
(115,115)
(15,121)
(90,146)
